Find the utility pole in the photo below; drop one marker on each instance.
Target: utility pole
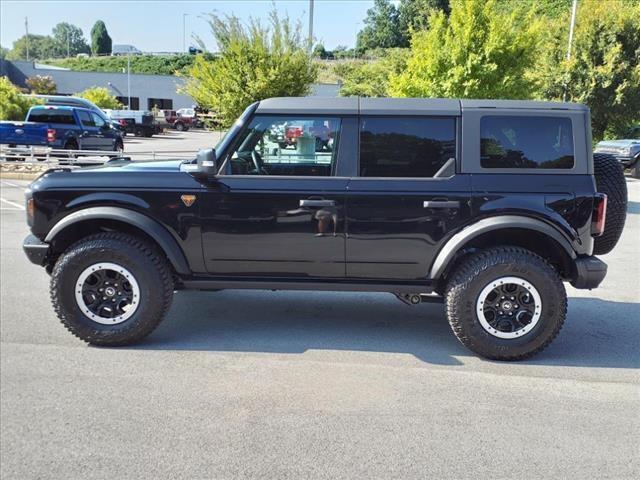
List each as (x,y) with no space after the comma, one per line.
(68,44)
(26,28)
(184,32)
(571,27)
(129,80)
(310,25)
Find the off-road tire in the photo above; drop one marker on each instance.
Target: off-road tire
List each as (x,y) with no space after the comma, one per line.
(147,265)
(478,271)
(610,180)
(635,170)
(118,146)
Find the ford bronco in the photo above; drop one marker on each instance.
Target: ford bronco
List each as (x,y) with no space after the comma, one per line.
(487,206)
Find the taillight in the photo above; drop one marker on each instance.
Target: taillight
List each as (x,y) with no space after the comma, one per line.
(51,135)
(123,123)
(599,217)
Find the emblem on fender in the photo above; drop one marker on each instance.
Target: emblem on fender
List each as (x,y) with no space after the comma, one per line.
(188,199)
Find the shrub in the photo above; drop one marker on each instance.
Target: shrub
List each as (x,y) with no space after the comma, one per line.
(101,97)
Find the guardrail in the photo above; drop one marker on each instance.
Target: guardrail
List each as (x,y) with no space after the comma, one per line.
(46,155)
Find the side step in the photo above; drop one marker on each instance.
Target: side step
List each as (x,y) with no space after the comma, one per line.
(416,298)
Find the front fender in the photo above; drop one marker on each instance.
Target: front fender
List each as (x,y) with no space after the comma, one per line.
(148,225)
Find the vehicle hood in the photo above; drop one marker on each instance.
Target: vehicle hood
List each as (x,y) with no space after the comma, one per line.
(624,143)
(126,166)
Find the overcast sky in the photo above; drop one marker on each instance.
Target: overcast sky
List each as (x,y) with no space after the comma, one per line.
(157,25)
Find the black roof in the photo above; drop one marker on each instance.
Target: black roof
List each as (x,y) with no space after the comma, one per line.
(398,106)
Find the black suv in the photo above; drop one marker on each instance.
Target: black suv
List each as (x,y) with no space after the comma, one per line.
(487,206)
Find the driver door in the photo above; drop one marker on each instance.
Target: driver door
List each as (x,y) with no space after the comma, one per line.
(278,210)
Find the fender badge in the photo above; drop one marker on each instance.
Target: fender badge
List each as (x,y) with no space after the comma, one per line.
(188,199)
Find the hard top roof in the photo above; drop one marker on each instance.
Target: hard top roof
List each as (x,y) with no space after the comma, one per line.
(397,106)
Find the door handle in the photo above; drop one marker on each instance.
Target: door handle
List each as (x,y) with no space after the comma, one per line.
(441,204)
(317,203)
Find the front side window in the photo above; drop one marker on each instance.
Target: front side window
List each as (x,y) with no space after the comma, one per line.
(526,142)
(279,145)
(85,118)
(413,147)
(97,120)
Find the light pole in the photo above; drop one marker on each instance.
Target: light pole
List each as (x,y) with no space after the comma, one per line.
(310,25)
(68,44)
(571,27)
(184,31)
(26,29)
(129,80)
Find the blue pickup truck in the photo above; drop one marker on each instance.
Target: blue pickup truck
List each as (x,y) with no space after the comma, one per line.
(62,127)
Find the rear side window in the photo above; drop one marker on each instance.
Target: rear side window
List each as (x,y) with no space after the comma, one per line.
(50,115)
(414,147)
(526,142)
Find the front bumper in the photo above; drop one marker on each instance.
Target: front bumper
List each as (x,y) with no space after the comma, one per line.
(590,271)
(35,249)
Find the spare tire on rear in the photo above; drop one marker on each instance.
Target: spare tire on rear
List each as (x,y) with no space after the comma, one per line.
(610,180)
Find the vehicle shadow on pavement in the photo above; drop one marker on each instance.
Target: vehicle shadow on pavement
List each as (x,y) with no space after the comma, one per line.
(597,333)
(294,322)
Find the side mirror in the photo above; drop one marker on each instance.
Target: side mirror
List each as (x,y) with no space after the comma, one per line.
(207,164)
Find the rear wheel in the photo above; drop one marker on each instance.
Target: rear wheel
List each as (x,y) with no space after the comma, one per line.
(610,180)
(505,303)
(179,126)
(111,289)
(118,146)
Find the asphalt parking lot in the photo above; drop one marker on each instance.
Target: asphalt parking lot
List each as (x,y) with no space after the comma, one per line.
(171,143)
(253,384)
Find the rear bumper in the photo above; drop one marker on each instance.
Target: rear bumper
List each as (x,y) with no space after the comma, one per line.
(590,271)
(35,249)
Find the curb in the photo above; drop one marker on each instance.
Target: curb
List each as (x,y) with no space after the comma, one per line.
(20,175)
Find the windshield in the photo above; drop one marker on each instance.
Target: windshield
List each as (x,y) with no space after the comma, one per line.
(228,137)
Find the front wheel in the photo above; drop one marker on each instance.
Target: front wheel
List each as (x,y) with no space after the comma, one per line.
(179,126)
(505,303)
(111,289)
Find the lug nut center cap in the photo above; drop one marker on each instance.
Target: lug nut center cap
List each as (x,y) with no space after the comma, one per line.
(507,306)
(109,291)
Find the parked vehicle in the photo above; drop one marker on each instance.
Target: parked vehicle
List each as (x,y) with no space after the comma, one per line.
(171,119)
(117,50)
(626,151)
(62,100)
(140,123)
(62,127)
(190,113)
(487,206)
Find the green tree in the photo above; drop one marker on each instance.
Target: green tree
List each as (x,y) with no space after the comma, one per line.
(100,39)
(604,69)
(101,97)
(371,78)
(413,15)
(13,104)
(41,84)
(40,46)
(69,39)
(477,52)
(254,62)
(3,52)
(381,28)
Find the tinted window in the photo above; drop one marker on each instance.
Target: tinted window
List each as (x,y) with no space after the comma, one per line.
(281,145)
(97,119)
(85,118)
(526,142)
(405,147)
(51,115)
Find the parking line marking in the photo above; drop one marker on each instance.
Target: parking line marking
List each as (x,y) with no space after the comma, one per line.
(20,207)
(10,184)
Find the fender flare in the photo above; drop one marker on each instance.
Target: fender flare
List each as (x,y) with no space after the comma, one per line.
(151,227)
(457,241)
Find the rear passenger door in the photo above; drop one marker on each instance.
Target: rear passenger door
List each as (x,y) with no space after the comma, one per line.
(407,197)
